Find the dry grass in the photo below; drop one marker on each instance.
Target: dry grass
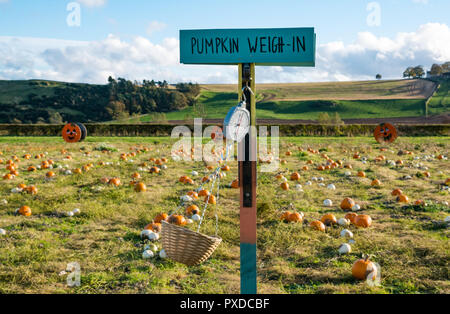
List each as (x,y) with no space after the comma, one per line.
(364,90)
(411,249)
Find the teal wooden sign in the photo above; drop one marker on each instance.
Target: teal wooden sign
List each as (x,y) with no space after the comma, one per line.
(271,47)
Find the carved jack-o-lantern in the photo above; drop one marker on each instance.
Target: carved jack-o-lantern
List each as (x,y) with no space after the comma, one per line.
(385,133)
(74,132)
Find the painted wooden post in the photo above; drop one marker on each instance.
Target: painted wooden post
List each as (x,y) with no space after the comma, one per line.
(248,181)
(247,48)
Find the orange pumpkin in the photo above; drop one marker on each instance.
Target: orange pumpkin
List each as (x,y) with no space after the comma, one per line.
(225,168)
(295,217)
(32,190)
(329,219)
(161,217)
(402,199)
(155,170)
(31,169)
(203,193)
(363,268)
(397,192)
(155,227)
(361,174)
(318,225)
(50,174)
(210,199)
(364,221)
(136,175)
(235,184)
(140,187)
(376,182)
(385,133)
(77,171)
(177,220)
(347,204)
(285,216)
(284,186)
(72,133)
(25,211)
(419,203)
(114,181)
(351,217)
(193,195)
(192,210)
(295,176)
(8,176)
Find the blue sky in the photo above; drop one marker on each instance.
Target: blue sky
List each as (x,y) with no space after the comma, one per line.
(347,43)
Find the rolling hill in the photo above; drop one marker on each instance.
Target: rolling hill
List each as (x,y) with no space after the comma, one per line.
(299,101)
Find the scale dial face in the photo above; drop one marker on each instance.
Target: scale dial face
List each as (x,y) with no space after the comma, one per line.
(237,124)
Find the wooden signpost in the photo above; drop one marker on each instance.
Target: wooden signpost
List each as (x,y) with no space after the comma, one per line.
(247,48)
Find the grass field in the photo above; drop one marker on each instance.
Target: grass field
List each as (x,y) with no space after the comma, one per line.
(305,101)
(440,102)
(410,244)
(218,104)
(357,90)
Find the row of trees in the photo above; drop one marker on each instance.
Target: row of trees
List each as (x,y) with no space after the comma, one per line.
(414,72)
(439,69)
(118,99)
(419,72)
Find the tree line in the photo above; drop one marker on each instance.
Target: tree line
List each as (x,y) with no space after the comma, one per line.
(419,72)
(118,99)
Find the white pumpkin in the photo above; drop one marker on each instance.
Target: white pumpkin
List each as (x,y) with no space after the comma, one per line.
(69,214)
(76,211)
(321,179)
(194,173)
(322,185)
(346,234)
(145,234)
(164,167)
(299,188)
(347,173)
(148,254)
(331,187)
(447,219)
(196,217)
(356,208)
(345,249)
(163,254)
(4,202)
(16,190)
(309,183)
(328,203)
(314,179)
(2,232)
(189,221)
(68,172)
(186,198)
(153,236)
(343,222)
(152,247)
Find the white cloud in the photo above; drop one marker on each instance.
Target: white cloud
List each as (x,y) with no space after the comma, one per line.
(92,3)
(421,1)
(154,27)
(140,58)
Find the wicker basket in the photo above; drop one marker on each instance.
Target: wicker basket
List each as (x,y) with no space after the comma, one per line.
(186,246)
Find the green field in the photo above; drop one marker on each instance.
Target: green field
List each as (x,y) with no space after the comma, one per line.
(440,102)
(409,243)
(351,100)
